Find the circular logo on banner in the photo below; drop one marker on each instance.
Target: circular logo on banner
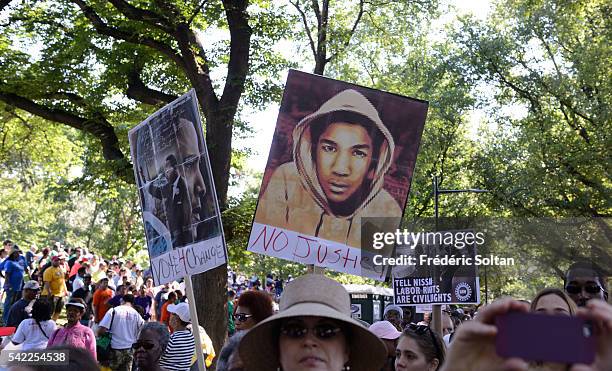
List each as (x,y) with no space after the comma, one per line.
(463,291)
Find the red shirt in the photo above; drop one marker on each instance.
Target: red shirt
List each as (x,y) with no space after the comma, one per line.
(100,301)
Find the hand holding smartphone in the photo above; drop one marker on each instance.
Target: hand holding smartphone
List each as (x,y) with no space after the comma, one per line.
(539,337)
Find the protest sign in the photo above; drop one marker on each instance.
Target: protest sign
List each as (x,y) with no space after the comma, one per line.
(340,153)
(178,199)
(436,273)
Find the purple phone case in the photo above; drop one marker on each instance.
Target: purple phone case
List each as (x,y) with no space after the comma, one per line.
(539,337)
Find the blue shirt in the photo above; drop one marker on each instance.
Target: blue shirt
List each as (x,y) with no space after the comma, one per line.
(14,273)
(115,301)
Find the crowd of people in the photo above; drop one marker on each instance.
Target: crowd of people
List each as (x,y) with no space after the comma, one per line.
(313,330)
(69,298)
(109,315)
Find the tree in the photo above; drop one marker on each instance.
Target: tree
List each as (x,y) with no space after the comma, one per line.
(546,149)
(552,157)
(100,67)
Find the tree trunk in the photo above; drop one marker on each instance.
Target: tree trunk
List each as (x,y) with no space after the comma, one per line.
(210,288)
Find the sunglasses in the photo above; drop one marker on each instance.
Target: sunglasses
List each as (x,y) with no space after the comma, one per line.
(322,331)
(141,344)
(242,317)
(576,289)
(421,330)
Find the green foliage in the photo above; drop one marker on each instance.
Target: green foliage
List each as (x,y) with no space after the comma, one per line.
(550,61)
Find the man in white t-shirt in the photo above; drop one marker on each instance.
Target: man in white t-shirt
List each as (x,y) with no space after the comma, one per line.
(125,327)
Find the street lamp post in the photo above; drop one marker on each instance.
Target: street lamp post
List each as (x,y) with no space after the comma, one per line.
(437,309)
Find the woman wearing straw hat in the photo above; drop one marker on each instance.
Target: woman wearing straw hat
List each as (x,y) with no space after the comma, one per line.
(312,331)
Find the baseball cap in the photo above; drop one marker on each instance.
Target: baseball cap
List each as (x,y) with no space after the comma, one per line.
(181,310)
(385,330)
(75,304)
(31,285)
(396,308)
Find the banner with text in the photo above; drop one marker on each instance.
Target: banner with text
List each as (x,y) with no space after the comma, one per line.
(340,153)
(179,204)
(436,273)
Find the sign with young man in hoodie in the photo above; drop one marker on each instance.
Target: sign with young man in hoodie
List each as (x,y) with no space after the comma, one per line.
(341,153)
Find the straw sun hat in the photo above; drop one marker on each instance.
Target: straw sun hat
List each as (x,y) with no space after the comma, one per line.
(311,295)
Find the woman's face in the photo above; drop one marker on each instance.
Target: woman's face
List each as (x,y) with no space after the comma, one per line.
(243,319)
(409,357)
(552,304)
(73,314)
(147,350)
(323,346)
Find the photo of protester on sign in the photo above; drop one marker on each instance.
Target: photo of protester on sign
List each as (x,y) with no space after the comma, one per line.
(179,205)
(340,152)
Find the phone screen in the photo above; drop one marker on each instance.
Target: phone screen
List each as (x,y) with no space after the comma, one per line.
(540,337)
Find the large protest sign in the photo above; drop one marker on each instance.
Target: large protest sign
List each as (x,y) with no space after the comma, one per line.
(340,153)
(436,272)
(179,203)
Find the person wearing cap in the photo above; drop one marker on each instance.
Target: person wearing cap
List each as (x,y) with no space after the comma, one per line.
(54,286)
(312,330)
(181,347)
(341,154)
(394,314)
(22,309)
(98,274)
(124,322)
(74,333)
(387,332)
(86,292)
(14,267)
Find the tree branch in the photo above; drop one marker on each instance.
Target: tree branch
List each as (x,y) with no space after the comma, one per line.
(238,65)
(521,92)
(3,4)
(196,11)
(348,40)
(97,126)
(198,74)
(102,28)
(137,90)
(143,15)
(296,4)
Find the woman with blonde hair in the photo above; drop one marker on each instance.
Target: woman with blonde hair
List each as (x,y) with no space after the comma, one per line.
(552,302)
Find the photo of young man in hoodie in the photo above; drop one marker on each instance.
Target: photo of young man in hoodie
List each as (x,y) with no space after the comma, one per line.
(341,153)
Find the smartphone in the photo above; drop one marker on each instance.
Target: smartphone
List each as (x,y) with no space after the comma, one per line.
(546,338)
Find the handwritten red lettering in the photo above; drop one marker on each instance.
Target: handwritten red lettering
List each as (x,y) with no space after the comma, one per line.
(276,238)
(347,259)
(321,248)
(264,233)
(297,246)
